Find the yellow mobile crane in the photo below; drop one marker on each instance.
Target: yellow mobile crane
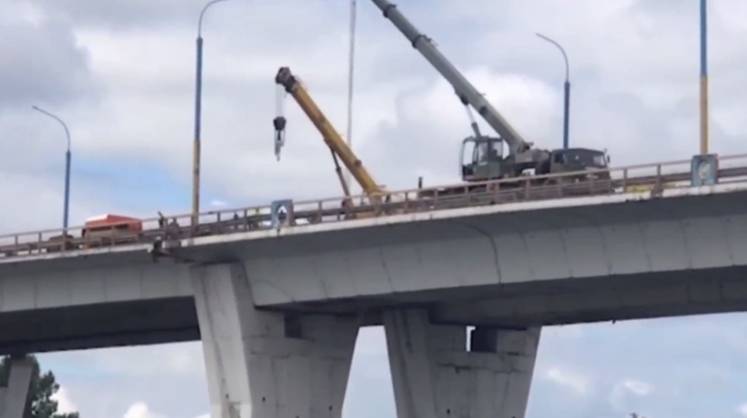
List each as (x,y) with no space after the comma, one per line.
(332,138)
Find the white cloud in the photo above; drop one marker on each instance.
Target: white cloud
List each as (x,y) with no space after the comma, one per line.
(742,410)
(204,416)
(184,359)
(574,331)
(577,383)
(64,404)
(217,203)
(625,393)
(140,410)
(638,388)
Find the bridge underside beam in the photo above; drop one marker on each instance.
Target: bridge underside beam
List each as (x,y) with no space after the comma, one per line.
(13,397)
(267,364)
(557,302)
(675,293)
(153,321)
(435,373)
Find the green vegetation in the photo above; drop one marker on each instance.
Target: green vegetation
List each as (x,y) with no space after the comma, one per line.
(43,386)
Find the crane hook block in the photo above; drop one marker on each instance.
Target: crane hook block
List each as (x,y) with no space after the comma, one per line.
(286,79)
(279,123)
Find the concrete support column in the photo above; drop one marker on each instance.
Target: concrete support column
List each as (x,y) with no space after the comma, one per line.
(435,375)
(13,398)
(268,364)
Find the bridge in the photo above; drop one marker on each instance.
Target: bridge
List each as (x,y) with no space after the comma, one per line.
(461,277)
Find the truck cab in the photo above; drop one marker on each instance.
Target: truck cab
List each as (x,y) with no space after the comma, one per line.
(577,159)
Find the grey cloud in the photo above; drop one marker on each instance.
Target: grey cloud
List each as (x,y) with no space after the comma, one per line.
(42,64)
(126,14)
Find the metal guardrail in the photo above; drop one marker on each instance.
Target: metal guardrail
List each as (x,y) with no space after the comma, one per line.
(651,178)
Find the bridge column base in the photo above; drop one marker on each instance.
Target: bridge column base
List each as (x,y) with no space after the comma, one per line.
(268,364)
(435,375)
(13,397)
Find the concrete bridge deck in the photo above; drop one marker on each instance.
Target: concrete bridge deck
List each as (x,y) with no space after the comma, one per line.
(584,259)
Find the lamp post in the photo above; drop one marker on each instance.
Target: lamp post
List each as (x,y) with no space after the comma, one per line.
(567,87)
(198,119)
(67,167)
(704,168)
(703,77)
(351,77)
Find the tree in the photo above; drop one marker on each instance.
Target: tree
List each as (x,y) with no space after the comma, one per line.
(39,403)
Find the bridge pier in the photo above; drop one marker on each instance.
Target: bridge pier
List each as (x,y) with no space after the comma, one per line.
(435,375)
(268,364)
(13,397)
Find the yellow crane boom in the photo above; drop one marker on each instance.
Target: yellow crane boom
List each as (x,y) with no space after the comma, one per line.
(332,138)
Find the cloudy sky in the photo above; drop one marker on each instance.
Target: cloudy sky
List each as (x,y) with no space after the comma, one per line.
(121,73)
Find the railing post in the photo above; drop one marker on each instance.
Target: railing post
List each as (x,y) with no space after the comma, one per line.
(659,185)
(526,189)
(556,182)
(625,180)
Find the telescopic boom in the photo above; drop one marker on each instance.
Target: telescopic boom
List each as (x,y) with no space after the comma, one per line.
(333,139)
(467,93)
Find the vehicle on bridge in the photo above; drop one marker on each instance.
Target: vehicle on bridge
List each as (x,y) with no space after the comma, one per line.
(110,229)
(98,231)
(482,156)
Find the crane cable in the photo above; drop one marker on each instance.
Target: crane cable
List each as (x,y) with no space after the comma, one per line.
(351,78)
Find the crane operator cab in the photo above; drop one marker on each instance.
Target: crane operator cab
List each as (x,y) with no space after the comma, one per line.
(481,159)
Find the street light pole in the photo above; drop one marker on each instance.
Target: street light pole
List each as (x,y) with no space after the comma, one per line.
(567,88)
(703,77)
(198,119)
(67,167)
